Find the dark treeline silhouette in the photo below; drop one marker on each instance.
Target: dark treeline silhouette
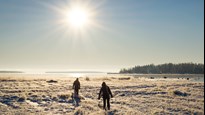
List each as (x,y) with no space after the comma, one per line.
(182,68)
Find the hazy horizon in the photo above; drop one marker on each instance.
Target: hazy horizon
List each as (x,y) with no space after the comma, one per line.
(115,34)
(108,70)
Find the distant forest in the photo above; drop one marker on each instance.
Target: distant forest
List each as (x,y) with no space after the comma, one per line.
(182,68)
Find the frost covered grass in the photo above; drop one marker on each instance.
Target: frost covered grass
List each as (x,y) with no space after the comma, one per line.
(51,94)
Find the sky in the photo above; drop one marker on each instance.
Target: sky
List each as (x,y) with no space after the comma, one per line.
(121,34)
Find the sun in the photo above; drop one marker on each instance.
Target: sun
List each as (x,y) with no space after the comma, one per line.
(78,17)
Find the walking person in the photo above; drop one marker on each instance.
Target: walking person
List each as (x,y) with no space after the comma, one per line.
(106,93)
(76,86)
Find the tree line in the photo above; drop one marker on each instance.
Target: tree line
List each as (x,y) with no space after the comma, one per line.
(169,68)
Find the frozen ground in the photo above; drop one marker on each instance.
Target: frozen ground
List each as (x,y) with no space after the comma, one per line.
(34,94)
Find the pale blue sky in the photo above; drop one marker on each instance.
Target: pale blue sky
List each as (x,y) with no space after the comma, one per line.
(131,32)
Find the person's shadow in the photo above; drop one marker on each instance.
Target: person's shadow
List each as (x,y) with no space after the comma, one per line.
(76,99)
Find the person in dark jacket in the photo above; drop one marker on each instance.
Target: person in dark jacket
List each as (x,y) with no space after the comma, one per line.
(76,86)
(105,92)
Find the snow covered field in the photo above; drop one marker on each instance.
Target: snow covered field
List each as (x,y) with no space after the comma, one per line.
(22,94)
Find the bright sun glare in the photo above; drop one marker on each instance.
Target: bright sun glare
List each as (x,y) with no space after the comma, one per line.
(78,17)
